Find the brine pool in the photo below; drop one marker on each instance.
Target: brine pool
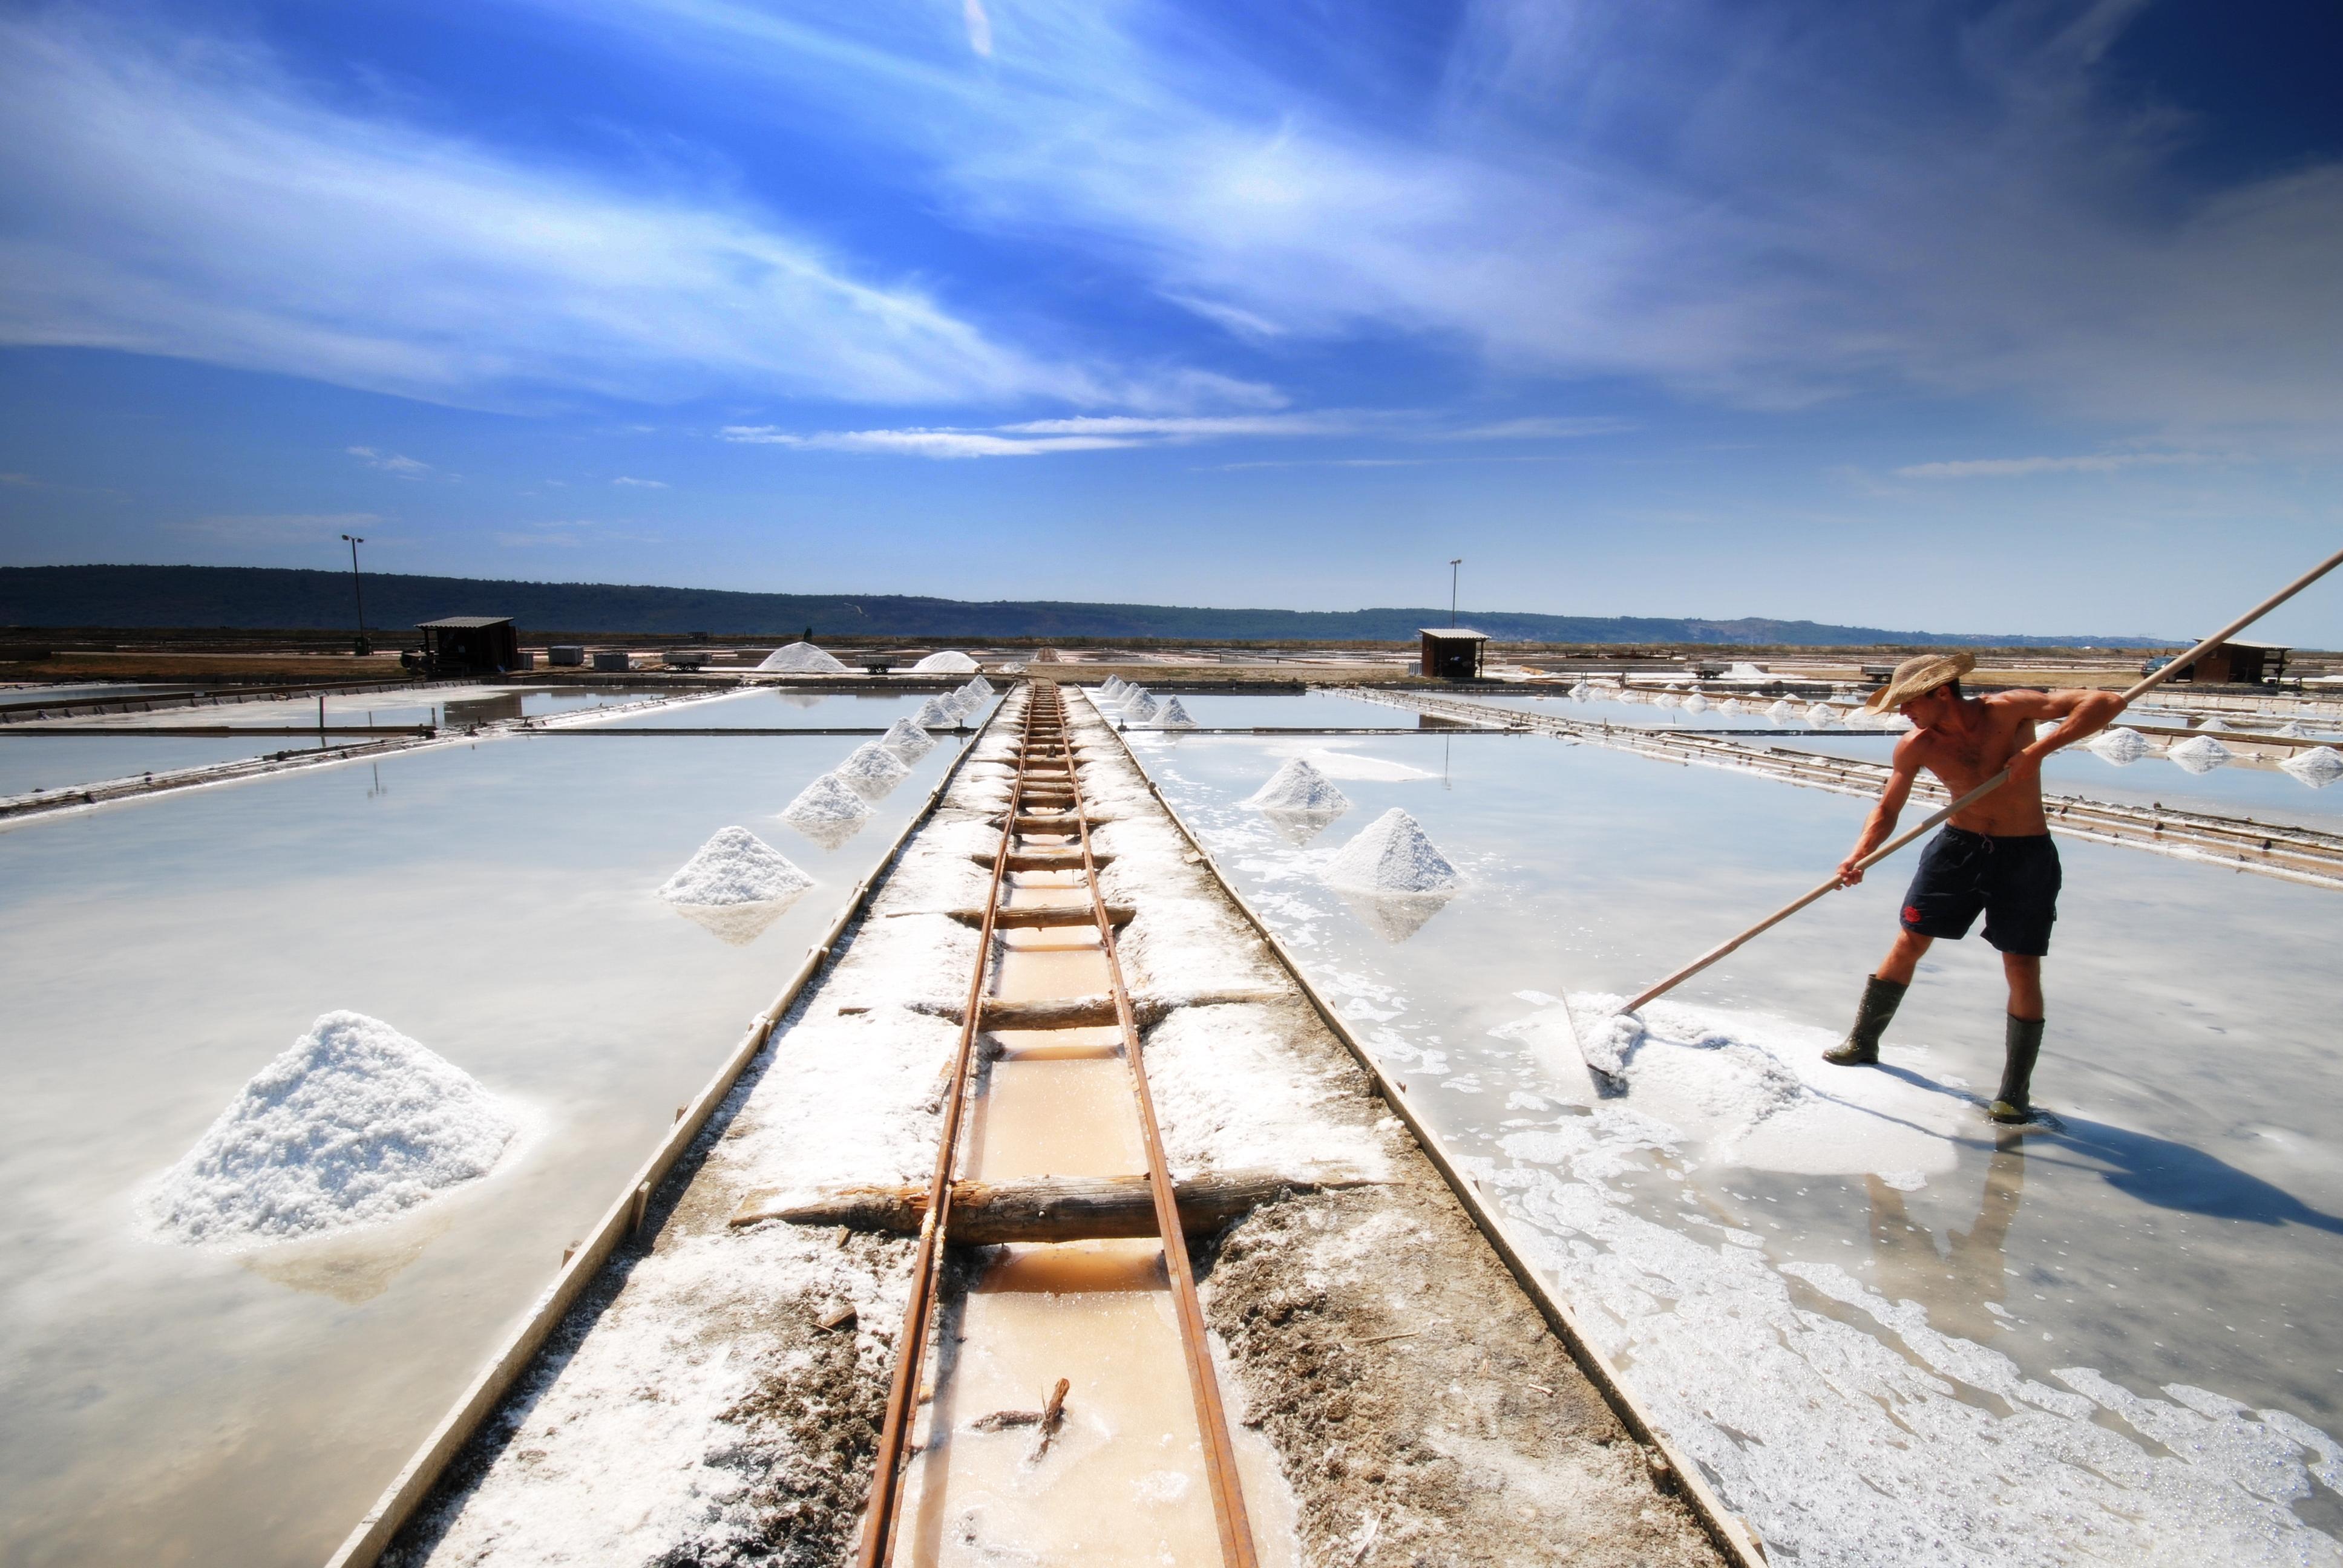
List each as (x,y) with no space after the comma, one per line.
(1892,1332)
(493,901)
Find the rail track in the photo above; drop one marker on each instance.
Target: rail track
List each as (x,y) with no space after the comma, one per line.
(1043,897)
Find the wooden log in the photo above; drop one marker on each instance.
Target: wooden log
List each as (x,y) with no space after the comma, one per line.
(1046,1208)
(1069,859)
(1066,823)
(1054,1012)
(1149,1008)
(1032,917)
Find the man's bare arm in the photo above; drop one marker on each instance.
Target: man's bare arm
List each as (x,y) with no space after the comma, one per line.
(1881,821)
(2080,713)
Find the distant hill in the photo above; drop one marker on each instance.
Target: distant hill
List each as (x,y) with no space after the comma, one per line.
(253,598)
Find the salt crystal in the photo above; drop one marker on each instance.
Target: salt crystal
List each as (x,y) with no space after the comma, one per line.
(907,740)
(1299,787)
(1141,708)
(950,662)
(2199,754)
(934,715)
(826,800)
(1696,703)
(1175,717)
(2318,766)
(354,1125)
(802,658)
(1781,710)
(1821,714)
(1391,855)
(871,771)
(2119,746)
(734,867)
(978,687)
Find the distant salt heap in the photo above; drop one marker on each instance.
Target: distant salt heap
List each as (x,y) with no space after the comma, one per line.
(802,658)
(825,802)
(933,715)
(2292,730)
(1696,703)
(1391,855)
(1175,717)
(978,688)
(1112,686)
(1666,699)
(947,661)
(2212,724)
(2119,746)
(1140,709)
(1299,787)
(354,1125)
(907,740)
(2318,766)
(1581,693)
(2199,754)
(1821,714)
(1781,710)
(734,867)
(871,771)
(1730,705)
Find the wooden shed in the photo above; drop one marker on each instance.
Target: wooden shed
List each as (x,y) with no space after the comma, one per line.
(2241,661)
(1452,652)
(476,644)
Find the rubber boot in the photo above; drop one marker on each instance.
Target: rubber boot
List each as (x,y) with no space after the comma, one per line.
(1861,1047)
(2014,1103)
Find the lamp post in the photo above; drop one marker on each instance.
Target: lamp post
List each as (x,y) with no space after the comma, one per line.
(358,588)
(1451,589)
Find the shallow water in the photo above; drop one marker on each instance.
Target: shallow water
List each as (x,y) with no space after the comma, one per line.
(2075,1292)
(768,710)
(46,763)
(1316,710)
(494,902)
(451,705)
(1646,715)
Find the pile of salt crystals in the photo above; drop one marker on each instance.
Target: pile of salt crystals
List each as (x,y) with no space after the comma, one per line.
(1821,714)
(1299,787)
(2199,754)
(907,739)
(1666,699)
(827,802)
(2318,765)
(1581,693)
(2212,724)
(1175,717)
(1696,703)
(802,658)
(978,688)
(871,771)
(352,1126)
(1391,856)
(947,661)
(1781,710)
(1141,708)
(934,715)
(1111,687)
(734,867)
(1730,705)
(2292,730)
(2119,746)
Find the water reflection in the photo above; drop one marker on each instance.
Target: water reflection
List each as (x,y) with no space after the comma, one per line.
(1396,916)
(1965,1282)
(737,925)
(1299,827)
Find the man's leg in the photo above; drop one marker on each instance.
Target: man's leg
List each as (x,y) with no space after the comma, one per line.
(1881,995)
(2024,1042)
(2024,971)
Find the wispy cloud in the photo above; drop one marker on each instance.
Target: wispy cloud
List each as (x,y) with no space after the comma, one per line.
(2024,468)
(640,484)
(275,527)
(24,481)
(1106,432)
(569,534)
(926,443)
(390,462)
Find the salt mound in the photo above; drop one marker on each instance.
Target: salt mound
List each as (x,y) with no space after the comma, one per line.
(802,658)
(2119,746)
(2212,724)
(826,800)
(2318,766)
(1175,717)
(352,1126)
(1111,686)
(1730,705)
(1781,710)
(1696,703)
(958,704)
(871,771)
(1581,693)
(934,715)
(1666,699)
(1298,787)
(1821,714)
(2199,754)
(2292,730)
(907,739)
(734,867)
(1140,709)
(1391,855)
(978,688)
(950,662)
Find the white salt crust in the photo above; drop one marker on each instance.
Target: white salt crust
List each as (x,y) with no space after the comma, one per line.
(734,867)
(1391,855)
(802,658)
(354,1125)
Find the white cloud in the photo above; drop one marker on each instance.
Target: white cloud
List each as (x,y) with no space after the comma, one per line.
(925,443)
(640,484)
(390,462)
(980,26)
(1101,432)
(1546,428)
(2023,468)
(276,528)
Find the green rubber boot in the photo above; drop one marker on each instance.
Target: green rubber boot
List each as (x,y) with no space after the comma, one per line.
(1861,1047)
(2014,1103)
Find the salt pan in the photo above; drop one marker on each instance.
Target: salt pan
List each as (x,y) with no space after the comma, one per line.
(933,715)
(353,1125)
(950,662)
(907,739)
(2199,754)
(2318,766)
(1391,855)
(2119,746)
(734,867)
(1299,787)
(802,658)
(871,771)
(1175,717)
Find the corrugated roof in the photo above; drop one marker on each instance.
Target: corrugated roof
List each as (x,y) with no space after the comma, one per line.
(464,622)
(1453,633)
(2255,642)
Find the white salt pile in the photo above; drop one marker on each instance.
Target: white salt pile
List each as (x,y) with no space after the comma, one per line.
(1391,855)
(354,1125)
(1113,687)
(978,688)
(1781,710)
(825,801)
(802,658)
(2292,730)
(734,867)
(1666,699)
(905,739)
(1581,693)
(2199,754)
(1175,717)
(1730,705)
(1299,787)
(1696,703)
(1821,714)
(2318,766)
(2216,722)
(2119,746)
(871,771)
(1141,708)
(934,715)
(949,662)
(958,704)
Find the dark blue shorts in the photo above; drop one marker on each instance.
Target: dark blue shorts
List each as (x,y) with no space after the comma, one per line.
(2013,881)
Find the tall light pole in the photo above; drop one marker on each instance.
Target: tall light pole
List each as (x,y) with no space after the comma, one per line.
(1451,589)
(358,588)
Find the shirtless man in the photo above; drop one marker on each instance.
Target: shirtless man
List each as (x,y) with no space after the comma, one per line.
(1995,858)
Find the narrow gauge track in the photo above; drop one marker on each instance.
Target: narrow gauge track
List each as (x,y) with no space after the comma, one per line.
(1044,834)
(2291,853)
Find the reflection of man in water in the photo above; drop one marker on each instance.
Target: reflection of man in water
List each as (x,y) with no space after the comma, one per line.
(1958,1285)
(1995,858)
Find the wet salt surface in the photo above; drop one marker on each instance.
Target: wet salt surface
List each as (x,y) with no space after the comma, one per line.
(451,705)
(1892,1334)
(46,763)
(1647,715)
(763,709)
(1313,710)
(496,902)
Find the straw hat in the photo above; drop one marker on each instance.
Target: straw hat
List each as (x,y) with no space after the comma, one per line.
(1917,677)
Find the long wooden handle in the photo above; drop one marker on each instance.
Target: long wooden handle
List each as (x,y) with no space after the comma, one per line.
(2144,687)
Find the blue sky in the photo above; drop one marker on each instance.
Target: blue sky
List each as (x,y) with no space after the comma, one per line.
(1980,318)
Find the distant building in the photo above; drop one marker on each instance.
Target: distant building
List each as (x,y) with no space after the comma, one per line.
(1452,652)
(2241,661)
(470,645)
